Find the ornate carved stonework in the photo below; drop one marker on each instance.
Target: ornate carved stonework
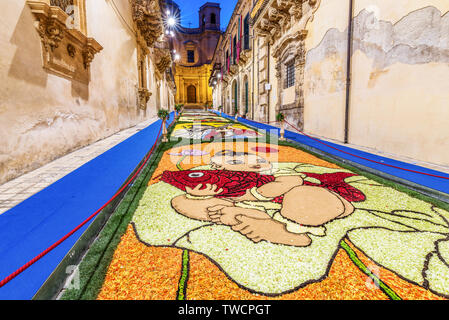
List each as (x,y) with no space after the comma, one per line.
(233,69)
(144,97)
(66,52)
(147,16)
(245,55)
(50,32)
(63,4)
(291,47)
(280,15)
(163,59)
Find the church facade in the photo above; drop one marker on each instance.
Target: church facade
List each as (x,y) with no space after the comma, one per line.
(194,48)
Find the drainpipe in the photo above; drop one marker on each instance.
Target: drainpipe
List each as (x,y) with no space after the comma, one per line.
(269,92)
(349,69)
(252,88)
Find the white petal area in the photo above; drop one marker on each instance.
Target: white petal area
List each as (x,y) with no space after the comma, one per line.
(437,275)
(402,252)
(275,269)
(443,250)
(155,220)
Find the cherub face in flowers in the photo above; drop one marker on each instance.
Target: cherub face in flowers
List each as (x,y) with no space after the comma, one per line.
(239,161)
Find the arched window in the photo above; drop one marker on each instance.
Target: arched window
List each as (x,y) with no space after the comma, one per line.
(213,18)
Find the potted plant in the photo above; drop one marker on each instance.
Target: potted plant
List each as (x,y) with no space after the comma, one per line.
(178,109)
(163,114)
(280,117)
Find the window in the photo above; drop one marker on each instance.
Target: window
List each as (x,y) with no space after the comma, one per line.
(142,74)
(234,50)
(66,49)
(290,75)
(63,4)
(190,56)
(76,11)
(246,33)
(213,18)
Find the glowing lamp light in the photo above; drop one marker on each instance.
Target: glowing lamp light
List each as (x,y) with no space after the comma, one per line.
(177,57)
(219,76)
(171,21)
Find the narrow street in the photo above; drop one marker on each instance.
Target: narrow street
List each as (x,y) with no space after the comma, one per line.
(221,217)
(237,150)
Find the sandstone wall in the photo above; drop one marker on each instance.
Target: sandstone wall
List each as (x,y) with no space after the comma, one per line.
(44,116)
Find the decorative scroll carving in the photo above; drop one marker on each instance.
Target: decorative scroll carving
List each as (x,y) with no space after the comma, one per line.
(71,50)
(163,59)
(66,52)
(245,55)
(144,96)
(90,49)
(147,16)
(280,15)
(233,69)
(50,31)
(63,4)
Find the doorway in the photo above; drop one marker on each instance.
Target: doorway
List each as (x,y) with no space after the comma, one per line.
(191,94)
(235,103)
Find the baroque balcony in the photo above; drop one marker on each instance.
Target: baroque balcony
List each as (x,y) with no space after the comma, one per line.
(148,19)
(275,17)
(66,49)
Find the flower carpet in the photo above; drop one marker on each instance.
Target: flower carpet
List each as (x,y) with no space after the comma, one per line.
(249,219)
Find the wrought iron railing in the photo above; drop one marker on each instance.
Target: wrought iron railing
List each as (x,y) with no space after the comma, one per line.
(63,4)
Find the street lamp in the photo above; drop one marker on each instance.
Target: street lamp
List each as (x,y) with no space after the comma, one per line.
(171,21)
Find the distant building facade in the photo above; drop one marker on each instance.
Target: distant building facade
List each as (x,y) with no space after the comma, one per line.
(370,73)
(195,47)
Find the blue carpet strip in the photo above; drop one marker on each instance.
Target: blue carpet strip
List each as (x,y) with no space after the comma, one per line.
(36,223)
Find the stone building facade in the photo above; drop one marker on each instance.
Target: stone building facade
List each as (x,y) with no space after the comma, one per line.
(368,72)
(195,47)
(75,71)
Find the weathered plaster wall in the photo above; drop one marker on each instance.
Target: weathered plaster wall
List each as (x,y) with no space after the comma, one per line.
(400,78)
(325,70)
(44,116)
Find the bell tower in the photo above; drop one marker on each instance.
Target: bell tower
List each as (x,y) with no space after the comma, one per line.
(209,15)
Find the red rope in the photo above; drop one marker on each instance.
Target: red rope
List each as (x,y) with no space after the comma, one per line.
(53,246)
(360,157)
